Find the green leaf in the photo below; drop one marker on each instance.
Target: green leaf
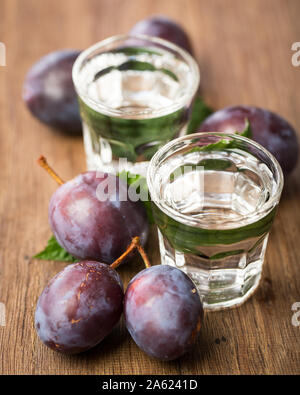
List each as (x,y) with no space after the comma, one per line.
(189,239)
(132,51)
(222,255)
(139,183)
(214,164)
(132,138)
(224,144)
(247,132)
(54,252)
(200,111)
(135,65)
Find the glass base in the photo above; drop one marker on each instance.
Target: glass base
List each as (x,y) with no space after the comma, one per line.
(221,283)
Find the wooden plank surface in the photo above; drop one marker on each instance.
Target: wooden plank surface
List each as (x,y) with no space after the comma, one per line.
(244,51)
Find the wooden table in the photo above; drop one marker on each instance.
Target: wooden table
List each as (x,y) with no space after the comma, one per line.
(244,51)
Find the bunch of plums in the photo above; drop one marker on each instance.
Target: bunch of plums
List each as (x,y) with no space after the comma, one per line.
(81,304)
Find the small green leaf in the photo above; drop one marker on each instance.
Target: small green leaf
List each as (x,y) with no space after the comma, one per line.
(224,144)
(214,164)
(54,252)
(247,132)
(222,255)
(169,73)
(135,65)
(200,111)
(132,51)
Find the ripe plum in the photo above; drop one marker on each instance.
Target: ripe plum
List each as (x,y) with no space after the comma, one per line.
(163,311)
(79,307)
(89,228)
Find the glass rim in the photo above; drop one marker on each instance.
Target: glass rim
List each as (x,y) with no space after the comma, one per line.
(107,110)
(252,217)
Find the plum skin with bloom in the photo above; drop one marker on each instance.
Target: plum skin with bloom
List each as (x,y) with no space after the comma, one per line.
(163,311)
(92,229)
(79,307)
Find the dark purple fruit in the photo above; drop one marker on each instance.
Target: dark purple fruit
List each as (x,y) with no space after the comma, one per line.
(79,307)
(163,311)
(268,129)
(160,26)
(92,229)
(49,91)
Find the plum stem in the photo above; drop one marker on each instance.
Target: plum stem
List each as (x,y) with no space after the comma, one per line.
(143,255)
(135,243)
(43,163)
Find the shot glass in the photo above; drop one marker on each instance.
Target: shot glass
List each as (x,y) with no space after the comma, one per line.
(134,94)
(214,198)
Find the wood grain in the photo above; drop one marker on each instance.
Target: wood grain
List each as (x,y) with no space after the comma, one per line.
(244,51)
